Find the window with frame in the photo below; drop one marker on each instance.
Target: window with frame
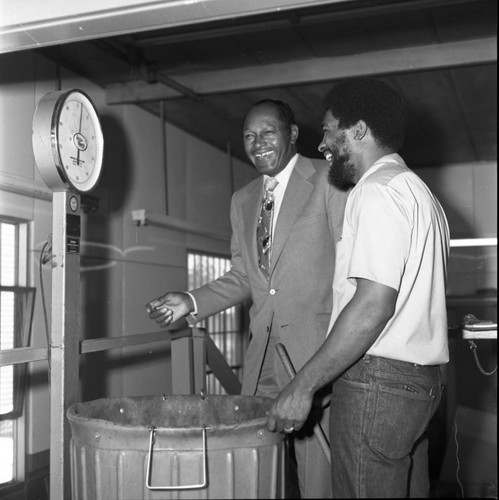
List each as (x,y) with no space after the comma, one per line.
(225,328)
(16,311)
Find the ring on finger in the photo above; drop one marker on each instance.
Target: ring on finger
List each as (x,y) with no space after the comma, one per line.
(290,429)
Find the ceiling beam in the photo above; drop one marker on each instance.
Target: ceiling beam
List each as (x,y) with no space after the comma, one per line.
(298,18)
(409,59)
(52,22)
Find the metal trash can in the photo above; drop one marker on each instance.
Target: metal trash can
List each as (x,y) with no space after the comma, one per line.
(161,447)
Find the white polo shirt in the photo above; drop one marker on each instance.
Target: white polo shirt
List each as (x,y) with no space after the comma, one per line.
(395,233)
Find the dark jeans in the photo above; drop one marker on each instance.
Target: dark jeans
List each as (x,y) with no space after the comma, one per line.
(380,411)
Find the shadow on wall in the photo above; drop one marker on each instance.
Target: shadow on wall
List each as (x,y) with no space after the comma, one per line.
(102,259)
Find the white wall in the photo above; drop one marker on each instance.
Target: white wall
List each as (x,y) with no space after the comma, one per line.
(468,193)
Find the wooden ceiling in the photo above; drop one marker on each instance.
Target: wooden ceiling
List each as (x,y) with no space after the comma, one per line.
(441,55)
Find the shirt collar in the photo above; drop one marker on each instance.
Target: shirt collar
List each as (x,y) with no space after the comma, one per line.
(380,163)
(283,176)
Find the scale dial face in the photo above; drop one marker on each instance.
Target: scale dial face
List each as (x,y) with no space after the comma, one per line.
(76,141)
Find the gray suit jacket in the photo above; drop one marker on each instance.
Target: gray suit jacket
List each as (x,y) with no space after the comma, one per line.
(296,299)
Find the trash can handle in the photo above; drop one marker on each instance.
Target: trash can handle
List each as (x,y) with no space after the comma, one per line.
(152,434)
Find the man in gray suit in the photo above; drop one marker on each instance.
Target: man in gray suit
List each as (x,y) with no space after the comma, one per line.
(292,294)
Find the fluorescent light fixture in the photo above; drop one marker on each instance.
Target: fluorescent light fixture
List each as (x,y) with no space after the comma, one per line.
(474,242)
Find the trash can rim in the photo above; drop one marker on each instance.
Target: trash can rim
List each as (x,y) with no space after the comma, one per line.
(74,416)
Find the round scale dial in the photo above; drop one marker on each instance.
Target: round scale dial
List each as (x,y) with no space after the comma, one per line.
(67,141)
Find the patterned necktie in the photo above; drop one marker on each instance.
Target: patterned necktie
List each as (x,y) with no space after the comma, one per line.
(264,227)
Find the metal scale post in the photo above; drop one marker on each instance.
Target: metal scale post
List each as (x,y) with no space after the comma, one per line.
(65,336)
(68,146)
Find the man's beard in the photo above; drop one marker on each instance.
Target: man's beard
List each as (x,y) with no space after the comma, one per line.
(342,171)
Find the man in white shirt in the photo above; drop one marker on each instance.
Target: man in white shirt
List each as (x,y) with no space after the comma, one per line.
(388,331)
(292,296)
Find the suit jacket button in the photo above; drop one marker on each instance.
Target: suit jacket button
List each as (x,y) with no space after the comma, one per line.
(272,291)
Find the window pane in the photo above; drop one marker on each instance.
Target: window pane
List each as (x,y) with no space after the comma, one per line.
(7,320)
(11,265)
(8,254)
(223,327)
(6,389)
(7,451)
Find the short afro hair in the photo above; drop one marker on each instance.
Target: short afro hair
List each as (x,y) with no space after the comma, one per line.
(284,112)
(373,101)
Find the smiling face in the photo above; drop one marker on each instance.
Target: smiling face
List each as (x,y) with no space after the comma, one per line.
(337,149)
(269,143)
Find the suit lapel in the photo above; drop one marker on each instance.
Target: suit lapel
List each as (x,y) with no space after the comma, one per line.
(297,193)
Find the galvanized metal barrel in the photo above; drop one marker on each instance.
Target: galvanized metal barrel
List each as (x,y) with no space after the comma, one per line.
(162,447)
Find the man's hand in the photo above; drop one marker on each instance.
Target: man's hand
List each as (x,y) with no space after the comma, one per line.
(290,409)
(169,308)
